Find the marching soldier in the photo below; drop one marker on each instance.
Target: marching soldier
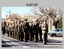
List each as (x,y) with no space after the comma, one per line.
(26,34)
(24,23)
(30,31)
(13,30)
(32,25)
(40,32)
(37,26)
(10,30)
(7,28)
(35,32)
(44,28)
(20,31)
(22,27)
(3,28)
(27,24)
(11,27)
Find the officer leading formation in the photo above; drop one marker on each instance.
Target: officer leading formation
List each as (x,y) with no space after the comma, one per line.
(25,30)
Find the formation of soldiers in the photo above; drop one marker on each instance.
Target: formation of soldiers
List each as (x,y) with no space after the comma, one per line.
(24,30)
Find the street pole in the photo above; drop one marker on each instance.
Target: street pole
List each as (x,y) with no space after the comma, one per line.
(9,13)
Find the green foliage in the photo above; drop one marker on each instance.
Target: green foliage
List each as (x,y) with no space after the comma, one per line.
(60,25)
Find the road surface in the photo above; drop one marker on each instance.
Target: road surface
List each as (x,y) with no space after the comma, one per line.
(53,42)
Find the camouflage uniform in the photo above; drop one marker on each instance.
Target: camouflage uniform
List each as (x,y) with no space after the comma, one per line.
(40,33)
(20,32)
(11,27)
(13,30)
(16,30)
(24,23)
(17,33)
(30,32)
(26,32)
(7,31)
(3,29)
(35,32)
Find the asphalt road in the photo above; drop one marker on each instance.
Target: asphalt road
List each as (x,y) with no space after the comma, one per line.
(53,42)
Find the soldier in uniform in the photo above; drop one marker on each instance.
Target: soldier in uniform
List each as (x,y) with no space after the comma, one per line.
(44,28)
(20,31)
(35,32)
(26,34)
(30,31)
(13,30)
(16,30)
(37,26)
(7,28)
(32,25)
(24,31)
(11,27)
(40,32)
(10,30)
(27,24)
(3,28)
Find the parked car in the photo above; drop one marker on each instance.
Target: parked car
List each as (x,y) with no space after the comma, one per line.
(56,32)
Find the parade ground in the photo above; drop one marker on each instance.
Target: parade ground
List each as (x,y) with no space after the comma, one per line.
(53,42)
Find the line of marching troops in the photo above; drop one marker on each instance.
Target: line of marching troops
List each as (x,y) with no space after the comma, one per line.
(24,30)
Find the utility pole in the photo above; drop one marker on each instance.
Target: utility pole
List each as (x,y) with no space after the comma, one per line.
(9,12)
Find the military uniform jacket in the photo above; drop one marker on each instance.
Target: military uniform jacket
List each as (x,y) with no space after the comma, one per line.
(26,27)
(6,27)
(43,28)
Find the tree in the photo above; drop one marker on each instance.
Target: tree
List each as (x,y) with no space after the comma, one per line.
(52,12)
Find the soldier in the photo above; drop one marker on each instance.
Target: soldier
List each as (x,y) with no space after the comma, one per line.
(32,25)
(24,23)
(27,24)
(7,28)
(20,31)
(35,32)
(40,32)
(13,30)
(11,27)
(37,26)
(10,30)
(30,31)
(16,30)
(3,28)
(26,34)
(44,28)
